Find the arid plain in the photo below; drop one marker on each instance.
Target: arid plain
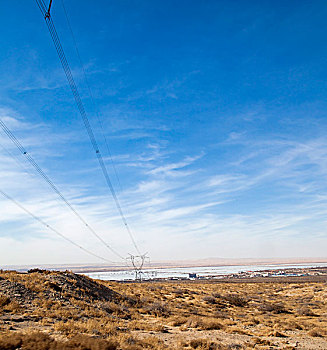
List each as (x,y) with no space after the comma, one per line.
(62,310)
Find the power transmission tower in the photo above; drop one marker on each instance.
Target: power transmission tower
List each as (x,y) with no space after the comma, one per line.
(138,262)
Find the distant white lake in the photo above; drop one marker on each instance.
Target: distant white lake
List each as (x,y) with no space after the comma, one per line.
(183,272)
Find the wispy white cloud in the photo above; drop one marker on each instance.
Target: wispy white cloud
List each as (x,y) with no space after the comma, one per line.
(173,169)
(216,213)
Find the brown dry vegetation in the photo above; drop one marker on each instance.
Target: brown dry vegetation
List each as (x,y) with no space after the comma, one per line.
(51,310)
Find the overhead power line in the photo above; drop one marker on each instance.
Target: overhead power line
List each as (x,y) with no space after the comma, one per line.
(91,94)
(52,185)
(80,106)
(4,194)
(17,161)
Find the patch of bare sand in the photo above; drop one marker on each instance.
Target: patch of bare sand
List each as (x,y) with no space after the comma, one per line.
(173,338)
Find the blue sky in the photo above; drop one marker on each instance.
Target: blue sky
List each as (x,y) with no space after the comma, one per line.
(215,113)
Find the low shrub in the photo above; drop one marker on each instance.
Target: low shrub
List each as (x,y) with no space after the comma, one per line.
(4,300)
(157,308)
(203,323)
(237,330)
(277,334)
(235,299)
(204,344)
(316,332)
(178,321)
(292,325)
(178,292)
(305,311)
(277,308)
(209,299)
(41,341)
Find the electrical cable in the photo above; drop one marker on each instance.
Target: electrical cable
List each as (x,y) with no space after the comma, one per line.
(80,106)
(17,161)
(53,229)
(51,184)
(96,109)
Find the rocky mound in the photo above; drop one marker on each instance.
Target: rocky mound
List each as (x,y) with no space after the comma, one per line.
(78,287)
(54,285)
(16,291)
(30,300)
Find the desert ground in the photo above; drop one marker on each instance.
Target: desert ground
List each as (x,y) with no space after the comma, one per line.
(62,310)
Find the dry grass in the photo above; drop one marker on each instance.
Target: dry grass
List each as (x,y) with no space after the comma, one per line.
(8,305)
(159,315)
(41,341)
(4,301)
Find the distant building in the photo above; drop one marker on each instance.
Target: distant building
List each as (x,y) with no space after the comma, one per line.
(192,275)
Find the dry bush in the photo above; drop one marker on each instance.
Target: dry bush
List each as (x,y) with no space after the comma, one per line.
(152,288)
(237,330)
(316,332)
(4,300)
(235,300)
(203,323)
(157,308)
(209,299)
(178,292)
(193,292)
(292,325)
(305,311)
(249,323)
(259,341)
(92,326)
(113,308)
(216,295)
(277,308)
(178,321)
(193,322)
(68,327)
(210,324)
(41,341)
(204,344)
(131,301)
(277,334)
(100,326)
(132,343)
(220,314)
(8,305)
(13,307)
